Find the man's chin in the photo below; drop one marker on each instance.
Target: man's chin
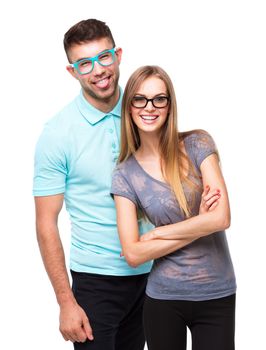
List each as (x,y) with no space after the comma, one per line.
(104,96)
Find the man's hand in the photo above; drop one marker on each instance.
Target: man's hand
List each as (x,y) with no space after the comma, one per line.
(209,199)
(74,323)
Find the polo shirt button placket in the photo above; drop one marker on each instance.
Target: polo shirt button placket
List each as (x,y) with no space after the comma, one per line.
(114,152)
(114,141)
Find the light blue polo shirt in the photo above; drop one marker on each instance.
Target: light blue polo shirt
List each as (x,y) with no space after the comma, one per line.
(75,155)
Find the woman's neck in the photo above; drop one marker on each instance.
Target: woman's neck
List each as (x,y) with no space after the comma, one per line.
(149,147)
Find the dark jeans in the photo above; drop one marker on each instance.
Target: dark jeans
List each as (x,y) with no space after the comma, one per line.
(211,322)
(114,306)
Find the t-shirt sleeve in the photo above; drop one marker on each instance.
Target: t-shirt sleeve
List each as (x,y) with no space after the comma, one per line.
(121,187)
(203,146)
(50,166)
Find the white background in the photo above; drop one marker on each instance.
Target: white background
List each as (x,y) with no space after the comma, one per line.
(215,53)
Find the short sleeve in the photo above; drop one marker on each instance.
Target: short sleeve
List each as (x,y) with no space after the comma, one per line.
(121,187)
(50,166)
(203,146)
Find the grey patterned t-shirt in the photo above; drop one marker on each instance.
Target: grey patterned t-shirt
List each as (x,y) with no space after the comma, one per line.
(202,270)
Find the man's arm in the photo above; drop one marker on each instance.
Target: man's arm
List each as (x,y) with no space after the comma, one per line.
(74,324)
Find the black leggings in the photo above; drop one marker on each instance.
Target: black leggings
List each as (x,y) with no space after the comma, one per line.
(211,322)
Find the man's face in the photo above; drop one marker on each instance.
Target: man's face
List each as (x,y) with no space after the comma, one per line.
(100,86)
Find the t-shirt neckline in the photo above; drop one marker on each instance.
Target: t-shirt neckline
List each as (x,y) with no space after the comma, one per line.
(147,174)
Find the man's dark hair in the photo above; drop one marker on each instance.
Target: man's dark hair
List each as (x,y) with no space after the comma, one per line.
(87,30)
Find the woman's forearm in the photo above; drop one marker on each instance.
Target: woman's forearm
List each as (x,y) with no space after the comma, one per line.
(193,228)
(139,252)
(171,237)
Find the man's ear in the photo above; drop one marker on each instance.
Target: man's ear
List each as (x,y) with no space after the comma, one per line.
(119,54)
(71,70)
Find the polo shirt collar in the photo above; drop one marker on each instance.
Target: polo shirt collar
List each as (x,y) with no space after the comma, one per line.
(94,115)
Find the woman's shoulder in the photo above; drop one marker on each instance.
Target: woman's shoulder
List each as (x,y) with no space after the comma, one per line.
(194,135)
(198,144)
(197,138)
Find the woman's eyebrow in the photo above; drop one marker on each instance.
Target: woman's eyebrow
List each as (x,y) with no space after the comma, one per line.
(159,94)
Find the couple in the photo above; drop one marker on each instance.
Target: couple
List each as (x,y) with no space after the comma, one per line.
(113,191)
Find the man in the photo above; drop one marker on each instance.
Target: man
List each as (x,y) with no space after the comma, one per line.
(74,159)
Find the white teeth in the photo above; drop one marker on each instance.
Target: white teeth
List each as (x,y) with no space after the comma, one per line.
(101,82)
(149,117)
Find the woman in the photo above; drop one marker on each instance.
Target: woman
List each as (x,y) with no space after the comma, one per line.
(161,175)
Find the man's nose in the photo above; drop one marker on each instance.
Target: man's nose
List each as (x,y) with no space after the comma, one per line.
(98,69)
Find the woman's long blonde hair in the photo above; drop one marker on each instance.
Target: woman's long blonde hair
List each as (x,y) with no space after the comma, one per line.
(175,164)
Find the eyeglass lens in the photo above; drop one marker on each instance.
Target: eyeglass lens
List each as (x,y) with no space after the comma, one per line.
(158,102)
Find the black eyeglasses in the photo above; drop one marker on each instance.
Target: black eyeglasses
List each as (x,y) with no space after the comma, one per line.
(157,102)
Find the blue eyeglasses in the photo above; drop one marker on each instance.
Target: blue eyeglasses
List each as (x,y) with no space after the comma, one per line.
(86,65)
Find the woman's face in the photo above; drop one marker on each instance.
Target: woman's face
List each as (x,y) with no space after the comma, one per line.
(151,117)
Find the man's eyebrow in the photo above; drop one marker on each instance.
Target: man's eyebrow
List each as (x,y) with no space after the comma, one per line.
(82,58)
(89,58)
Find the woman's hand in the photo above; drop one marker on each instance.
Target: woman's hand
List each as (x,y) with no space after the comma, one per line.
(148,236)
(209,200)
